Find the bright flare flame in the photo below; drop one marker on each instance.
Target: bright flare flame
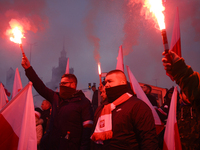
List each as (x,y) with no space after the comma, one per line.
(156,7)
(16,31)
(17,35)
(99,68)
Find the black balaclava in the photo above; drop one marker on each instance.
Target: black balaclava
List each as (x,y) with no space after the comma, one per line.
(66,92)
(115,92)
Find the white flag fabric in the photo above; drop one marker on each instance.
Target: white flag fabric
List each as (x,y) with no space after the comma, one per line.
(120,63)
(176,36)
(3,96)
(171,136)
(141,95)
(18,127)
(67,67)
(17,85)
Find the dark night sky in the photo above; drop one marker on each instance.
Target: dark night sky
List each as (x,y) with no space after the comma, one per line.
(93,31)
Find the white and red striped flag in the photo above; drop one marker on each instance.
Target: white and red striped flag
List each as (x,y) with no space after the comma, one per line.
(171,136)
(120,62)
(141,95)
(67,67)
(17,85)
(3,96)
(17,127)
(176,37)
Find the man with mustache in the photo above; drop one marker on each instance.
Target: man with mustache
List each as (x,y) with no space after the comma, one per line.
(71,117)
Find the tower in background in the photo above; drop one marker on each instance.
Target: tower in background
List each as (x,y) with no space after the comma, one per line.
(57,72)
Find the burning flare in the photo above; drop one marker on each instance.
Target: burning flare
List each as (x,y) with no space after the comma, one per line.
(15,32)
(99,68)
(156,8)
(17,35)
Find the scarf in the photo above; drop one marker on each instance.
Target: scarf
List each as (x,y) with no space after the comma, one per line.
(66,92)
(103,129)
(115,92)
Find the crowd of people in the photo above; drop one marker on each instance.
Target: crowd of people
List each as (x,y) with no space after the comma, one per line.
(68,120)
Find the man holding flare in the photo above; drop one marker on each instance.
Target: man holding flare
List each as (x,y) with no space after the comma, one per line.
(71,117)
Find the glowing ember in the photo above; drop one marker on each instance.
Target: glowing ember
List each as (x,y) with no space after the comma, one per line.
(156,7)
(99,68)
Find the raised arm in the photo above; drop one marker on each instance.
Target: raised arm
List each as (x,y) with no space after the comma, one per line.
(37,82)
(185,77)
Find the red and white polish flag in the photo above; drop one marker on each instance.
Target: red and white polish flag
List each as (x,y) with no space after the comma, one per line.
(3,96)
(171,135)
(17,85)
(141,95)
(67,67)
(176,37)
(120,63)
(17,127)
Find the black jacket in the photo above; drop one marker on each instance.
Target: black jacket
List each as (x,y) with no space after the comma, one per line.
(133,126)
(66,124)
(45,115)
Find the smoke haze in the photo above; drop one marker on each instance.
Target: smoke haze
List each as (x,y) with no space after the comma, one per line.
(93,32)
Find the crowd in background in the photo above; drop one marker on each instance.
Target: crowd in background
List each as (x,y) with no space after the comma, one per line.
(55,114)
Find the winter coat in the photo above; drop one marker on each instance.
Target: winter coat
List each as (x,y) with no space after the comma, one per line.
(68,116)
(133,127)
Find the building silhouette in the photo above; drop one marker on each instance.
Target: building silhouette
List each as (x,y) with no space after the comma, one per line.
(57,72)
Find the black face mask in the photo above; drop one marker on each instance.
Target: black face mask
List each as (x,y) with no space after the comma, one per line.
(115,92)
(66,92)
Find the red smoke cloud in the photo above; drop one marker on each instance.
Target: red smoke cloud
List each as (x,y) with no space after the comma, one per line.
(90,28)
(28,13)
(135,20)
(131,26)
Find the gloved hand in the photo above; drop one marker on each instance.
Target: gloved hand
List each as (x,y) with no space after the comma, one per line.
(174,58)
(25,62)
